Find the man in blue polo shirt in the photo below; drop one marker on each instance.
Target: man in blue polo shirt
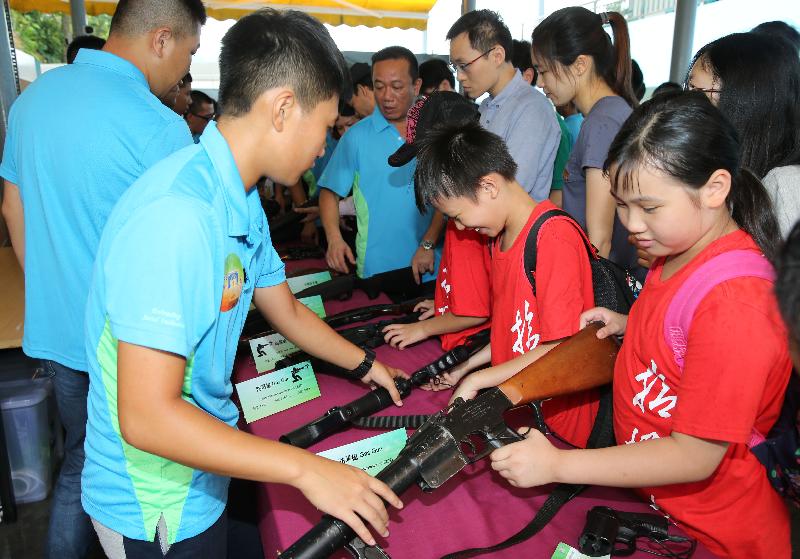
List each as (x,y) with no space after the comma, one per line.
(184,253)
(391,232)
(77,138)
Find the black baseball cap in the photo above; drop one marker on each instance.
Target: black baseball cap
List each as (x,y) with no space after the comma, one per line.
(440,107)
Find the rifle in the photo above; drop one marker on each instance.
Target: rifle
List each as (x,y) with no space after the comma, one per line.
(438,450)
(300,253)
(254,328)
(339,417)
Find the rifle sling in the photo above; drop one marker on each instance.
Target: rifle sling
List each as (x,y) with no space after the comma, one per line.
(391,421)
(602,435)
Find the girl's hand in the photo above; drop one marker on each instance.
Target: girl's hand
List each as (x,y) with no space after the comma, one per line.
(643,258)
(467,390)
(426,308)
(402,335)
(527,463)
(615,323)
(449,379)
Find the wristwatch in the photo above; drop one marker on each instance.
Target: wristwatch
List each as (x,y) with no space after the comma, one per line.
(426,244)
(364,367)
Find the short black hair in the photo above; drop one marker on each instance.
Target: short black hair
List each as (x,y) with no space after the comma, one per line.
(779,29)
(83,42)
(201,97)
(452,160)
(361,74)
(186,79)
(787,285)
(667,87)
(398,53)
(137,17)
(521,56)
(271,48)
(433,71)
(485,29)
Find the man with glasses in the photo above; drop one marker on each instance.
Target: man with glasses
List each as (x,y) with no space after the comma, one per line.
(202,110)
(480,55)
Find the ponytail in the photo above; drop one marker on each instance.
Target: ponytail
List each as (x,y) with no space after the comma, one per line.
(619,75)
(569,32)
(683,136)
(751,209)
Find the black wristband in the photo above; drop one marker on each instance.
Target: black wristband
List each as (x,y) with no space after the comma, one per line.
(364,367)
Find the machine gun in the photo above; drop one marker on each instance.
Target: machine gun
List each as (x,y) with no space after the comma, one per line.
(339,417)
(468,431)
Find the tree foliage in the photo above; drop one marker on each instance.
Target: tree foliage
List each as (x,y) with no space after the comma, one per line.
(43,35)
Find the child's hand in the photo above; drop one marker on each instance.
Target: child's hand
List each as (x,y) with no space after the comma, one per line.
(382,375)
(527,463)
(402,335)
(468,389)
(615,323)
(349,494)
(426,308)
(449,379)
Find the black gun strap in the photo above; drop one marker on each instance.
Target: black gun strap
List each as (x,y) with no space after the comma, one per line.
(391,421)
(602,435)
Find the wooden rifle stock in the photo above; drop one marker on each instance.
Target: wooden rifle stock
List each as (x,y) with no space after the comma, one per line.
(578,363)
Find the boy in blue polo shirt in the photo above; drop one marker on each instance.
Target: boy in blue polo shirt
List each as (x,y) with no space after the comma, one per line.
(182,256)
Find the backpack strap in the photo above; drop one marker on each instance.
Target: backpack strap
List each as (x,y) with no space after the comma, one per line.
(721,268)
(532,242)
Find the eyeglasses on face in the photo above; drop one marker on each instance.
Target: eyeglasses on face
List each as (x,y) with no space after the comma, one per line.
(455,66)
(706,90)
(207,117)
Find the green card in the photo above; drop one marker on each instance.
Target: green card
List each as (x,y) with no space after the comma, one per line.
(268,350)
(309,280)
(564,551)
(315,304)
(372,454)
(278,391)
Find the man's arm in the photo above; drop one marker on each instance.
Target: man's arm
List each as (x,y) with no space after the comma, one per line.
(339,254)
(533,143)
(154,418)
(423,260)
(600,210)
(307,331)
(14,215)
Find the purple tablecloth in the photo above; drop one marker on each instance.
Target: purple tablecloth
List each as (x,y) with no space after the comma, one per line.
(474,509)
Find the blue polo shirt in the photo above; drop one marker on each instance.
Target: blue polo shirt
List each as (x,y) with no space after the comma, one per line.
(77,138)
(390,226)
(175,271)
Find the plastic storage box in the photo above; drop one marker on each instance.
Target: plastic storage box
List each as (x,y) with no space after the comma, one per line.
(27,430)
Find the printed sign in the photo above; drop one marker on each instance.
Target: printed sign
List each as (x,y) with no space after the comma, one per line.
(315,304)
(268,350)
(371,455)
(309,280)
(564,551)
(269,394)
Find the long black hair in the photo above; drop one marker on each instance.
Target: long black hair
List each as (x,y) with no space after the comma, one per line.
(684,136)
(569,32)
(759,81)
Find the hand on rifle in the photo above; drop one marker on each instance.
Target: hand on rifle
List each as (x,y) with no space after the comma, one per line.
(339,254)
(402,335)
(381,375)
(528,463)
(349,494)
(449,379)
(615,323)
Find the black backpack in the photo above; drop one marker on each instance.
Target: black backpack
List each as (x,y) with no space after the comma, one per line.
(614,287)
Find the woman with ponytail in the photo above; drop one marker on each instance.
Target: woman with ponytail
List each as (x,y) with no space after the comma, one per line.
(577,61)
(685,412)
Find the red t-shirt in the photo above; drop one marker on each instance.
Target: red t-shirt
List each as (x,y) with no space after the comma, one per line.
(462,284)
(735,372)
(521,321)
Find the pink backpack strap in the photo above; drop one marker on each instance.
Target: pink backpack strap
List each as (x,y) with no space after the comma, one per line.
(721,268)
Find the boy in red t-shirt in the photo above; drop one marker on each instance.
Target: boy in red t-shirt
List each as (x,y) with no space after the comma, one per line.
(467,173)
(461,302)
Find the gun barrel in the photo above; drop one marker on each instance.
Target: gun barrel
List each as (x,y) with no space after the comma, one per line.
(331,534)
(590,363)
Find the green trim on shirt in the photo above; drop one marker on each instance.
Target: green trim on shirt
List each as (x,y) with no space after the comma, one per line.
(362,220)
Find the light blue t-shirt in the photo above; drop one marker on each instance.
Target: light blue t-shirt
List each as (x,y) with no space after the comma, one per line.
(390,226)
(77,139)
(176,268)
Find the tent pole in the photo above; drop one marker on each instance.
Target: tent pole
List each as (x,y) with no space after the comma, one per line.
(9,77)
(682,39)
(78,11)
(467,6)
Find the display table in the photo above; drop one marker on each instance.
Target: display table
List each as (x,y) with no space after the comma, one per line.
(475,508)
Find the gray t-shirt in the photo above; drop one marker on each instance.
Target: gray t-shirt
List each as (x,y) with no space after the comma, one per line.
(590,150)
(783,185)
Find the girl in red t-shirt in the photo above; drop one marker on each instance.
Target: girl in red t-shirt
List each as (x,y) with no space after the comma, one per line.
(682,434)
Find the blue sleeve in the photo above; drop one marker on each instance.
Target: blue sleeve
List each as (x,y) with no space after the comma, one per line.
(159,276)
(274,271)
(8,169)
(533,143)
(169,139)
(342,168)
(598,133)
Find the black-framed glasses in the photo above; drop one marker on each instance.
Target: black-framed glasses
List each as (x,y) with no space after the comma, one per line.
(706,90)
(463,67)
(207,117)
